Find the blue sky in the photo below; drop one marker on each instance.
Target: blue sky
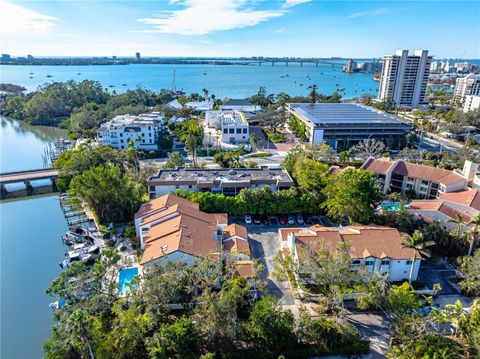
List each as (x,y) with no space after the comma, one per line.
(303,28)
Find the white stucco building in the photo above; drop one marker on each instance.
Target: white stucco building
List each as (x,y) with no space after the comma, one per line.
(377,248)
(141,131)
(464,86)
(471,103)
(404,77)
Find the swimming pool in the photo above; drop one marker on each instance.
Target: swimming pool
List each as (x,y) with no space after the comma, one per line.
(391,206)
(124,279)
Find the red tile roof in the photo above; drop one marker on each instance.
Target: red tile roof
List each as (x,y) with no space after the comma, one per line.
(164,201)
(365,241)
(377,165)
(470,198)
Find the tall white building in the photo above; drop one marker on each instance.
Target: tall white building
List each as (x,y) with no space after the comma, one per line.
(350,66)
(125,130)
(404,77)
(471,103)
(468,85)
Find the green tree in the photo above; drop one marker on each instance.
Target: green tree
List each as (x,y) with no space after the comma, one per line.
(270,327)
(474,225)
(313,93)
(15,107)
(352,194)
(112,196)
(175,159)
(417,242)
(192,135)
(470,268)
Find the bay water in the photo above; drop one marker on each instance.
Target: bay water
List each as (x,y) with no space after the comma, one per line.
(30,246)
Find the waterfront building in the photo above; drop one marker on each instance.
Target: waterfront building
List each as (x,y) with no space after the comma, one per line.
(343,125)
(350,66)
(377,248)
(404,77)
(242,105)
(217,180)
(425,181)
(137,56)
(371,67)
(173,229)
(140,131)
(6,57)
(471,103)
(468,85)
(464,67)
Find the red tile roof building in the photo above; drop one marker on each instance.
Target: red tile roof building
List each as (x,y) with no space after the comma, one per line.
(379,248)
(426,181)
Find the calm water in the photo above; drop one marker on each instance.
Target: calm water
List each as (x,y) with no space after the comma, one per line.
(30,247)
(233,81)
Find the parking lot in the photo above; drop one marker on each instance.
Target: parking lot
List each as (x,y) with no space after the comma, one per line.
(437,272)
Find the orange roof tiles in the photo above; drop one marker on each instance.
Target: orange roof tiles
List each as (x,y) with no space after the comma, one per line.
(365,241)
(235,230)
(440,206)
(164,201)
(377,165)
(470,198)
(237,245)
(245,269)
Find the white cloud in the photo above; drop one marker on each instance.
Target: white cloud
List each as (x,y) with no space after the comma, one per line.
(17,19)
(379,11)
(200,17)
(291,3)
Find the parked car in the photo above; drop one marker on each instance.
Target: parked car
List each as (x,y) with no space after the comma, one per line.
(291,219)
(282,220)
(257,220)
(248,219)
(265,220)
(300,219)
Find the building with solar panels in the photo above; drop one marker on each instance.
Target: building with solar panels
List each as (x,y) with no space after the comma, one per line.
(343,125)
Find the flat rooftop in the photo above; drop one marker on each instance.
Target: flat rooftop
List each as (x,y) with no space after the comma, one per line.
(221,175)
(325,114)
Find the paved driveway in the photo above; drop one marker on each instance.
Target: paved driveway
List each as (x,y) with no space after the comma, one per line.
(437,272)
(264,244)
(375,327)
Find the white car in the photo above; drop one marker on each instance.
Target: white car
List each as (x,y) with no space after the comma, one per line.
(291,220)
(300,219)
(248,219)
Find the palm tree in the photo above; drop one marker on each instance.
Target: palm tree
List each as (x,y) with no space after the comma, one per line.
(459,222)
(418,244)
(474,223)
(313,92)
(205,94)
(77,327)
(192,136)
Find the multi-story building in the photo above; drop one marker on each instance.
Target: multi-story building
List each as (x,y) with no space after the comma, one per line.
(350,66)
(343,125)
(139,131)
(404,77)
(471,103)
(234,127)
(240,105)
(217,180)
(425,181)
(468,85)
(173,229)
(377,248)
(371,67)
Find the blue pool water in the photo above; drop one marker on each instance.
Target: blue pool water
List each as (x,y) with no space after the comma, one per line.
(125,277)
(390,206)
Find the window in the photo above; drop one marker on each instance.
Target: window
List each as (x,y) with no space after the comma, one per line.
(369,263)
(225,130)
(189,186)
(121,141)
(177,186)
(356,261)
(121,135)
(152,188)
(425,182)
(245,130)
(151,141)
(231,130)
(239,130)
(149,128)
(385,262)
(150,134)
(408,262)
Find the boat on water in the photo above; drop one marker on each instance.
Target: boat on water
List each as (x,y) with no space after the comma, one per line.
(49,76)
(111,86)
(124,84)
(79,73)
(301,85)
(87,258)
(31,77)
(84,250)
(204,73)
(30,73)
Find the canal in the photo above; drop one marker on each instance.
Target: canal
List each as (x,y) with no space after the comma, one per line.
(30,246)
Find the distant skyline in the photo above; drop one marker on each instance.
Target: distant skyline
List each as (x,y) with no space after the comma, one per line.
(234,28)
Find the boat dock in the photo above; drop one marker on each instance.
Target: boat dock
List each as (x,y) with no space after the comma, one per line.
(73,212)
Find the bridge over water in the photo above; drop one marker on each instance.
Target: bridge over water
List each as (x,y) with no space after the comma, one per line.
(28,176)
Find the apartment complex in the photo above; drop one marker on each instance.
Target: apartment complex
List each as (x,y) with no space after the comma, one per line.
(139,131)
(377,248)
(173,229)
(343,125)
(464,86)
(217,180)
(448,208)
(350,66)
(240,105)
(232,125)
(425,181)
(404,77)
(471,103)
